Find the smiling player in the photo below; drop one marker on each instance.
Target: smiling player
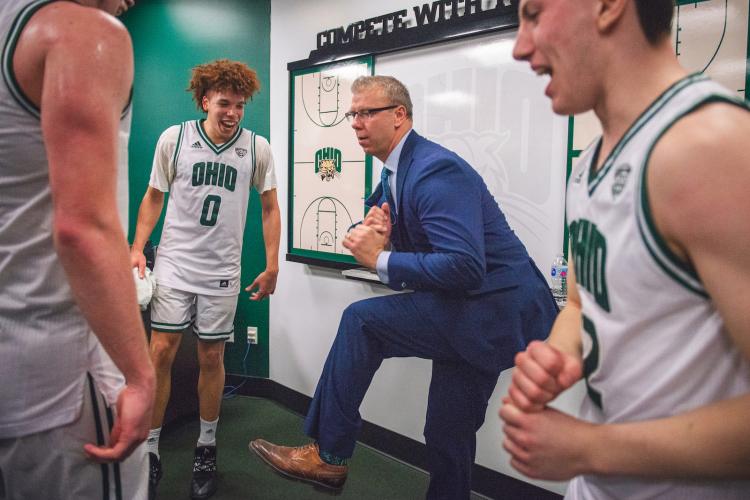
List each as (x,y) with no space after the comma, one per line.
(209,167)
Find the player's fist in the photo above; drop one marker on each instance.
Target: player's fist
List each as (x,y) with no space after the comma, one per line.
(541,373)
(137,259)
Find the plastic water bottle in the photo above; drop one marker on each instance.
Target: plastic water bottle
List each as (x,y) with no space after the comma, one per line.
(559,275)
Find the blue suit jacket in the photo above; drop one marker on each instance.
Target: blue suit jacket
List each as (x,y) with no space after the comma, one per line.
(450,233)
(474,281)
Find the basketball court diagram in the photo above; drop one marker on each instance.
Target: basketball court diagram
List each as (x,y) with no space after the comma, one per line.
(324,225)
(709,37)
(328,165)
(323,98)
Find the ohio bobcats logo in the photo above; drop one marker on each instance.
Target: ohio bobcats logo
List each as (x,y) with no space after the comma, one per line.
(327,169)
(621,178)
(328,163)
(241,152)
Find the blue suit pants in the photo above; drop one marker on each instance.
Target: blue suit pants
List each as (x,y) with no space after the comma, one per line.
(448,330)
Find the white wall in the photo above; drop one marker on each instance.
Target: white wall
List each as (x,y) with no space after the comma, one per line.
(307,305)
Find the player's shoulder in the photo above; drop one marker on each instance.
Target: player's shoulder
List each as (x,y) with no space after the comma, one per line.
(719,118)
(261,143)
(69,28)
(698,170)
(70,22)
(251,133)
(175,128)
(710,138)
(171,133)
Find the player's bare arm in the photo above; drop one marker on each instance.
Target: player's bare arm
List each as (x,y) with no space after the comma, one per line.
(544,443)
(148,215)
(86,86)
(545,369)
(697,188)
(707,443)
(265,282)
(566,332)
(549,444)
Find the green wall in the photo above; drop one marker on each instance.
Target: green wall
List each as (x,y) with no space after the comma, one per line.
(169,38)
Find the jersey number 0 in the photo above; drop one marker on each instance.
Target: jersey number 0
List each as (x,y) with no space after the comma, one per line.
(210,212)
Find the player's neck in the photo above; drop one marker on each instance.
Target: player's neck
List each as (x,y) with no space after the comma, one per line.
(213,133)
(632,85)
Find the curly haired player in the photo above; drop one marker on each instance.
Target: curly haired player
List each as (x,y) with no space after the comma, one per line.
(209,167)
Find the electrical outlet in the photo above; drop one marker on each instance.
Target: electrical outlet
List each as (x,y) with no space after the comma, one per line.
(252,334)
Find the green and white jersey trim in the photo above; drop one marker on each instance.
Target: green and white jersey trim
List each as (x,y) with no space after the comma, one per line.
(217,149)
(179,146)
(676,268)
(9,50)
(596,178)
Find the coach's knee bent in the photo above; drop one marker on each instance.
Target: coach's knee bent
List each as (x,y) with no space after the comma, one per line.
(354,317)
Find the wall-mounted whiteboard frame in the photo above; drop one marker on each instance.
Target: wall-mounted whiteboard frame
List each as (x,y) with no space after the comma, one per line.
(329,175)
(511,147)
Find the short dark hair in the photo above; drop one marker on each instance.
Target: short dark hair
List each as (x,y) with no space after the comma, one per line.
(392,88)
(655,17)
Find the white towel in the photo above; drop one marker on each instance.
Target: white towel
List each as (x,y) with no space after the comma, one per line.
(144,287)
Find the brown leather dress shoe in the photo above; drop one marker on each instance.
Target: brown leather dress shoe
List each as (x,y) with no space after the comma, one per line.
(302,463)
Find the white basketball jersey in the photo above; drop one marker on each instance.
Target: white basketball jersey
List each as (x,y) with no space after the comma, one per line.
(209,188)
(45,342)
(653,343)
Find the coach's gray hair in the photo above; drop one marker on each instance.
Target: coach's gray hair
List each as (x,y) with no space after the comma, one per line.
(396,91)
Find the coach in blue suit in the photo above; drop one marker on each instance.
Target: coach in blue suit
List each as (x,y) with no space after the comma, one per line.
(478,299)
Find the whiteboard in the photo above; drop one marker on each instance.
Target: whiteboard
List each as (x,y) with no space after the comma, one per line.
(328,182)
(473,98)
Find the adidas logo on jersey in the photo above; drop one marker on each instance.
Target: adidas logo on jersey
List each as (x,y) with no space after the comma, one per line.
(196,145)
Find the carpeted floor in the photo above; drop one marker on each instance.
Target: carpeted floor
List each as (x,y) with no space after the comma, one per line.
(372,475)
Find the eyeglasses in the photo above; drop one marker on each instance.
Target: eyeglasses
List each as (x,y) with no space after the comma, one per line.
(366,114)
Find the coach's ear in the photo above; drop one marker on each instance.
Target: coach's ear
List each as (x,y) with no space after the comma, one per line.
(610,12)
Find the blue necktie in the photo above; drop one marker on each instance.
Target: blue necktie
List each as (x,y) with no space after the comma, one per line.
(384,175)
